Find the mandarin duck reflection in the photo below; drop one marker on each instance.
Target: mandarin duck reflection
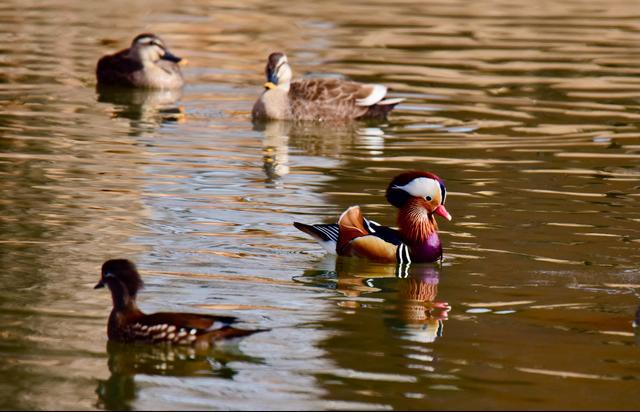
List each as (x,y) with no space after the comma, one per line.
(146,64)
(422,314)
(419,196)
(318,99)
(127,323)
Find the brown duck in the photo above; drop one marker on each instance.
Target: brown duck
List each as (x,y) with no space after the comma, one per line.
(127,323)
(318,99)
(146,64)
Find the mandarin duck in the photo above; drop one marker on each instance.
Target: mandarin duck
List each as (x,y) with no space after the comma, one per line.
(146,64)
(419,196)
(319,99)
(127,323)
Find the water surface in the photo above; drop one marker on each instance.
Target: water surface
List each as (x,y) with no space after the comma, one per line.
(528,110)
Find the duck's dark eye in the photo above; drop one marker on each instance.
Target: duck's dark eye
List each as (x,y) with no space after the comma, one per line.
(428,198)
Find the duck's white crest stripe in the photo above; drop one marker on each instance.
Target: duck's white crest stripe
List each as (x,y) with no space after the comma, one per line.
(421,187)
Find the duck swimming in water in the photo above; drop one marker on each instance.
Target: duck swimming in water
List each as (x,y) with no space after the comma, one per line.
(419,196)
(146,64)
(127,323)
(318,99)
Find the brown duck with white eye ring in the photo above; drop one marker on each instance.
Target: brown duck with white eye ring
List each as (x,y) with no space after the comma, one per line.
(127,323)
(146,64)
(318,99)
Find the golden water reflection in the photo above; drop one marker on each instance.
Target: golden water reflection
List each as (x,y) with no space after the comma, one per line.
(528,110)
(119,391)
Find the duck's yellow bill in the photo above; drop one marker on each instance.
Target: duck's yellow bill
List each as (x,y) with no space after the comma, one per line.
(269,85)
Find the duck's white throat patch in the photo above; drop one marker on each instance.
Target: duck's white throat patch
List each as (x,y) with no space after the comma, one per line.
(422,187)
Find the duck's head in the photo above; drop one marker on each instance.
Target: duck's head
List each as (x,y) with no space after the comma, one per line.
(149,49)
(278,70)
(421,190)
(122,278)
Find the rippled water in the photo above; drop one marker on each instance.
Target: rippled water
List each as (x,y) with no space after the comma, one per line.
(528,110)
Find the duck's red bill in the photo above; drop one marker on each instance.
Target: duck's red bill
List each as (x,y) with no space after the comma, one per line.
(440,210)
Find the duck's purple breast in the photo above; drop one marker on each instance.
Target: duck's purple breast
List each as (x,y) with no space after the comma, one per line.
(429,251)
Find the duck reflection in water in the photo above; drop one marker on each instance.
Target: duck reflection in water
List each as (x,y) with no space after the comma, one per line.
(636,326)
(275,148)
(419,315)
(423,316)
(145,108)
(312,139)
(128,360)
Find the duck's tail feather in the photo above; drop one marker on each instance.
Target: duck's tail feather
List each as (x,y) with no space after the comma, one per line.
(381,109)
(228,332)
(325,234)
(387,102)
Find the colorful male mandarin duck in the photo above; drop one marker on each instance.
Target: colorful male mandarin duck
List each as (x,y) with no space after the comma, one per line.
(419,196)
(319,99)
(146,64)
(127,323)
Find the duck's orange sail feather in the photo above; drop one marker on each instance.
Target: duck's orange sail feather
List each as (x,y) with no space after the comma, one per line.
(355,240)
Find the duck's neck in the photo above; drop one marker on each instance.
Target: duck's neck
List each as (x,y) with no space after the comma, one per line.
(284,86)
(274,103)
(420,231)
(122,299)
(416,224)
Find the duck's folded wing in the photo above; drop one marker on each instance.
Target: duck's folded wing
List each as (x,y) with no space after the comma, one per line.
(357,238)
(335,91)
(328,98)
(188,320)
(116,69)
(180,328)
(386,233)
(325,234)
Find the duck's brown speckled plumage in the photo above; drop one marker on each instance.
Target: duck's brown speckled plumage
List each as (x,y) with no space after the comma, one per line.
(325,99)
(318,99)
(127,323)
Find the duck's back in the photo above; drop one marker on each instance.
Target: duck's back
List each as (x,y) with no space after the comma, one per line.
(176,328)
(324,99)
(117,69)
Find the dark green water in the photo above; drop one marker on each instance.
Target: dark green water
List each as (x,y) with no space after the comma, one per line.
(530,111)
